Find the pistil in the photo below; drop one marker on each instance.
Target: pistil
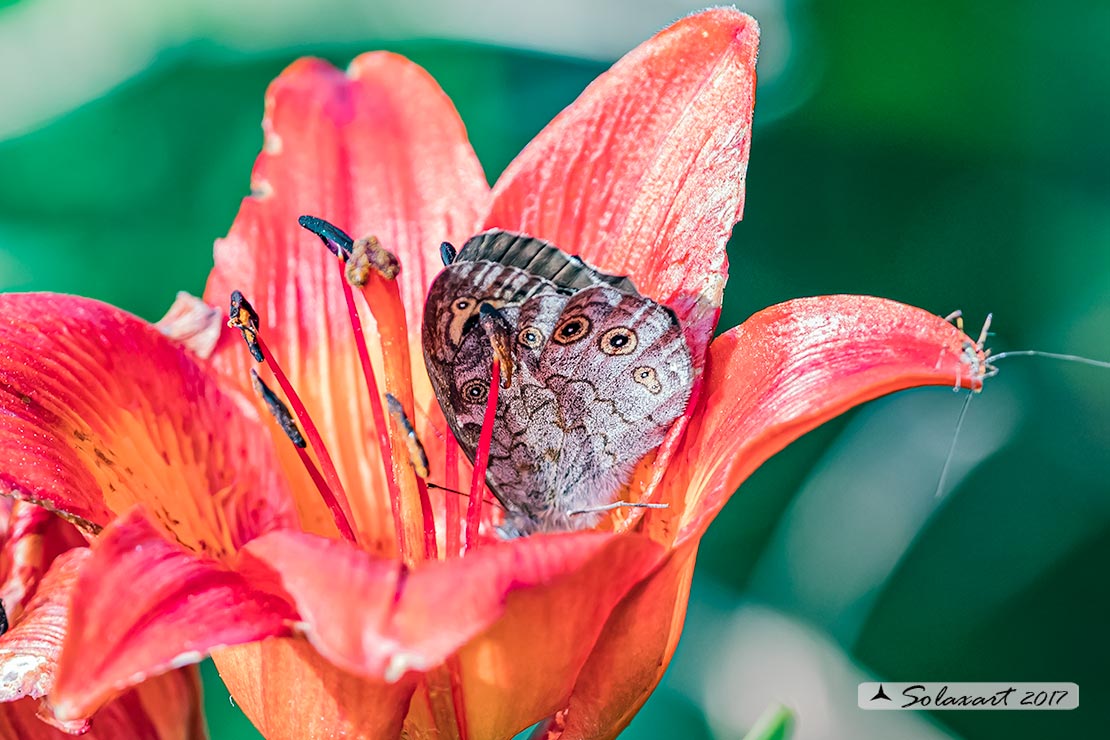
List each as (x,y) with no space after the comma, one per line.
(376,412)
(383,297)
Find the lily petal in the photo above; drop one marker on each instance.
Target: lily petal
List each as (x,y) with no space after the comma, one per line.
(177,608)
(379,150)
(99,411)
(550,632)
(29,650)
(633,652)
(389,620)
(165,708)
(644,174)
(791,368)
(303,695)
(32,538)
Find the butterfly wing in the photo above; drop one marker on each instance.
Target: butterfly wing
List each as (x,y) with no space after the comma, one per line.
(615,372)
(600,372)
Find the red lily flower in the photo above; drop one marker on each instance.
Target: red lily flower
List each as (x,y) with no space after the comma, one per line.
(40,557)
(215,537)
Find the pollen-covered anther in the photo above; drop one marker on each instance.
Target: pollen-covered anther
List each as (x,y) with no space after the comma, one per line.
(417,456)
(279,410)
(243,317)
(499,333)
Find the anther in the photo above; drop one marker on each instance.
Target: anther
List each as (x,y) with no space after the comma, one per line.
(369,254)
(498,330)
(334,238)
(279,410)
(242,316)
(417,456)
(447,253)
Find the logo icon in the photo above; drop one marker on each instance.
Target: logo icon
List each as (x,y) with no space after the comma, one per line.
(880,694)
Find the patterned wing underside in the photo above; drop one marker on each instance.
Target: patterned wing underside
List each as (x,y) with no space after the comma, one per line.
(600,374)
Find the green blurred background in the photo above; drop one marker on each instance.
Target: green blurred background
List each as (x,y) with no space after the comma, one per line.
(949,155)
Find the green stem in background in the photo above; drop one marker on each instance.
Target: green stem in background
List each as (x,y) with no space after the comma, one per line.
(776,723)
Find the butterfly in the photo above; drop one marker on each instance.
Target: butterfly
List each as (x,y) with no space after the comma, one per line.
(595,375)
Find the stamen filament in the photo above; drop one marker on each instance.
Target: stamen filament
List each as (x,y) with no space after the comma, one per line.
(1049,355)
(430,545)
(419,461)
(312,434)
(341,522)
(281,414)
(481,458)
(454,668)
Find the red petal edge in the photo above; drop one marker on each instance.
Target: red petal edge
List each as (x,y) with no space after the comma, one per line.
(792,367)
(143,605)
(29,650)
(644,174)
(167,707)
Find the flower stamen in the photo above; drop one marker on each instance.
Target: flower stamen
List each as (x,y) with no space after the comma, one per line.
(373,269)
(481,459)
(419,461)
(340,244)
(243,317)
(417,456)
(280,412)
(498,331)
